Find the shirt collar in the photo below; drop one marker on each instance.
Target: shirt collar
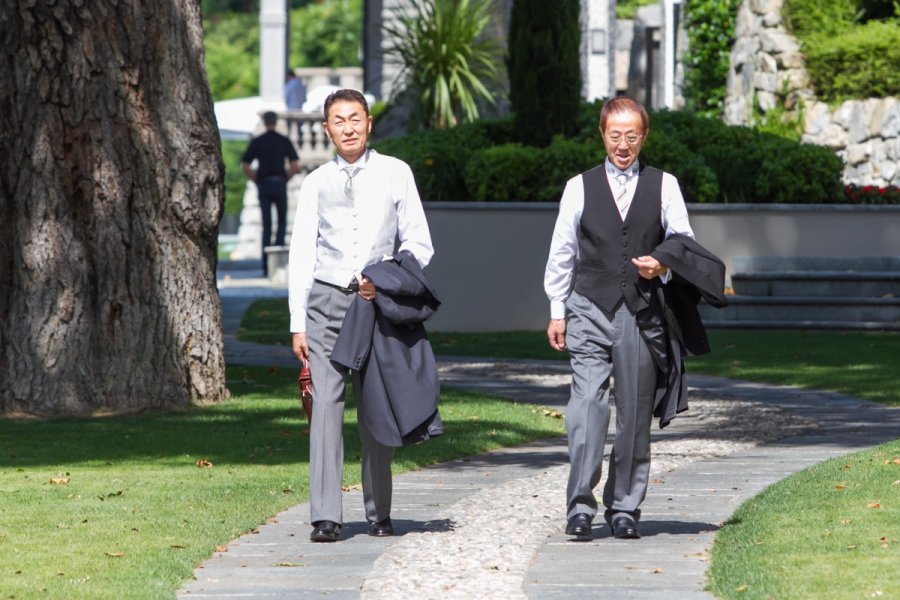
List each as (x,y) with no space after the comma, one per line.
(630,172)
(361,163)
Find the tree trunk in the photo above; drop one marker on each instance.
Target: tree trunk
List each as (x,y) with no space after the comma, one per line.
(110,195)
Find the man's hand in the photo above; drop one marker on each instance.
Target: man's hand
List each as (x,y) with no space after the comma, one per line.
(556,334)
(366,289)
(299,346)
(649,267)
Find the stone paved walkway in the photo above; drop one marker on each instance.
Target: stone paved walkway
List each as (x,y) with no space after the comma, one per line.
(491,525)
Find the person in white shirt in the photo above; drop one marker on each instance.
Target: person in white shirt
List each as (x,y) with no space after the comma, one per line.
(599,277)
(353,211)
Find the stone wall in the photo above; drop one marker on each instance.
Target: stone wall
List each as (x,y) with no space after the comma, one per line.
(768,72)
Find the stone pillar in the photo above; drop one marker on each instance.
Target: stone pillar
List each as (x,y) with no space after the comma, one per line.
(598,37)
(670,55)
(272,52)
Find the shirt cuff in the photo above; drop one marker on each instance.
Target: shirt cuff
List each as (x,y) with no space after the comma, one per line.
(298,324)
(557,309)
(665,277)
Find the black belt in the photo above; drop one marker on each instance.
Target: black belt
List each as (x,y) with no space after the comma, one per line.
(353,287)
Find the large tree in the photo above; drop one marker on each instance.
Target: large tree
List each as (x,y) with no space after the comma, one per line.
(110,195)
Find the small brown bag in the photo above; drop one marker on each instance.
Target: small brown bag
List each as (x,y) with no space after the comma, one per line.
(304,383)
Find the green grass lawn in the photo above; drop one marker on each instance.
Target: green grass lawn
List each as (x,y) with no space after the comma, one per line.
(126,507)
(830,531)
(859,364)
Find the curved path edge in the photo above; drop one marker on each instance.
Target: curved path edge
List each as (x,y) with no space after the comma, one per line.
(683,509)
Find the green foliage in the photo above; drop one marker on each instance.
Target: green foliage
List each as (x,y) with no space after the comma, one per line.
(710,30)
(438,158)
(829,17)
(323,34)
(507,172)
(864,62)
(544,68)
(231,41)
(697,181)
(712,161)
(627,9)
(754,167)
(235,180)
(326,34)
(447,61)
(852,46)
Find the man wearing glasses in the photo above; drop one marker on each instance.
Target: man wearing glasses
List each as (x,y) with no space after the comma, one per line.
(353,211)
(599,278)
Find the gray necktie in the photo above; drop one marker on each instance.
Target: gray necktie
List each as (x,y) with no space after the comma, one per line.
(349,188)
(622,180)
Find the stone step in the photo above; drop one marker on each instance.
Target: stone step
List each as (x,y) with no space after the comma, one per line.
(805,312)
(864,284)
(756,264)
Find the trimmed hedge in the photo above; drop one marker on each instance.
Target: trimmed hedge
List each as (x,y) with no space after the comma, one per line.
(712,161)
(863,62)
(852,47)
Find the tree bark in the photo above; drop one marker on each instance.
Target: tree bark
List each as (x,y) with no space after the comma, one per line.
(110,196)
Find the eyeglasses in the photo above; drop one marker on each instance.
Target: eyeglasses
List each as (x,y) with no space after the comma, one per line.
(630,138)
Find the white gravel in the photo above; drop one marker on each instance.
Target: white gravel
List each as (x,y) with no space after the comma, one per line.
(468,562)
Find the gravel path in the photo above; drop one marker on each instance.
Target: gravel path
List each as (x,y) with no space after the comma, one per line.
(496,532)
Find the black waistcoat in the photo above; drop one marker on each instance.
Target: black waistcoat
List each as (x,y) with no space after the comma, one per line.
(605,274)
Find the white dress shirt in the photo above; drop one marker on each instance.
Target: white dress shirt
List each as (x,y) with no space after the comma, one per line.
(337,235)
(566,234)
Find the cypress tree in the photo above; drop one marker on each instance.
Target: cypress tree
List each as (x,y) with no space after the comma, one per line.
(544,68)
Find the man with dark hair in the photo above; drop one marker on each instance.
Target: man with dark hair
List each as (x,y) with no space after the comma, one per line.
(270,150)
(354,211)
(601,281)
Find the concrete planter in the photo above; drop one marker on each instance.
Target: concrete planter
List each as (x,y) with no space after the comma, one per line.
(489,257)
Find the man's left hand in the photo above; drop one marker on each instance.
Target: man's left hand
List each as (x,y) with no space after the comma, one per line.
(649,267)
(366,289)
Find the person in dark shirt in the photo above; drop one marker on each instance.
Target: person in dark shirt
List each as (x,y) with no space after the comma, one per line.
(270,151)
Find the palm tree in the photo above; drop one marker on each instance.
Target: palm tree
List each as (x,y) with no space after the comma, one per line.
(447,60)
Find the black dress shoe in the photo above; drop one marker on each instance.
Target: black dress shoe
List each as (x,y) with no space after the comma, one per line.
(580,527)
(383,528)
(625,529)
(325,531)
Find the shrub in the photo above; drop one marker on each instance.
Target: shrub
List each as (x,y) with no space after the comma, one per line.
(862,63)
(830,17)
(710,29)
(852,46)
(507,172)
(445,60)
(870,194)
(712,161)
(235,180)
(544,68)
(696,180)
(754,167)
(525,173)
(438,157)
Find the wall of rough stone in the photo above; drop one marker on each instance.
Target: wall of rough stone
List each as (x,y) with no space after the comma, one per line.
(768,71)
